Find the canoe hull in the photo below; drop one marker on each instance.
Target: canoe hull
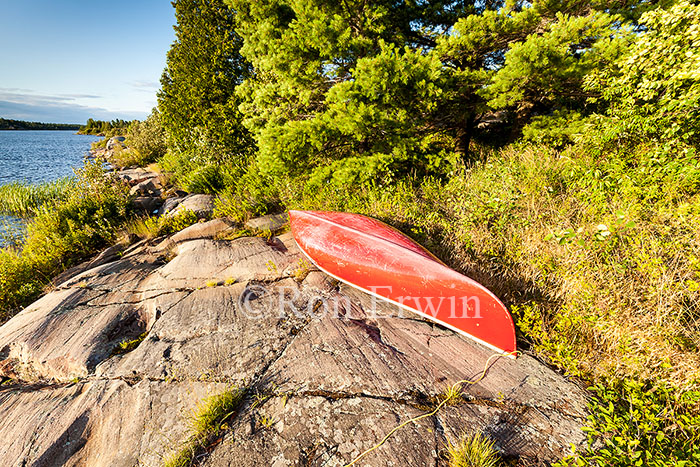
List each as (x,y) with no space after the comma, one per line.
(374,257)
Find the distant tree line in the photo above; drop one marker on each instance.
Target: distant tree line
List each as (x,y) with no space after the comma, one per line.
(103,127)
(7,124)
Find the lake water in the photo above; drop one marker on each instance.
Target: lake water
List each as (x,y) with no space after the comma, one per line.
(35,157)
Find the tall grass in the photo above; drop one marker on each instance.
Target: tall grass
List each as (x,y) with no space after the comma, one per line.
(24,199)
(153,226)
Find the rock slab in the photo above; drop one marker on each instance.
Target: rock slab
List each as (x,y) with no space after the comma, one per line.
(329,369)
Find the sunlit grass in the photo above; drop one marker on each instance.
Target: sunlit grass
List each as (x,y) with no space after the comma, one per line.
(473,450)
(206,422)
(24,199)
(154,226)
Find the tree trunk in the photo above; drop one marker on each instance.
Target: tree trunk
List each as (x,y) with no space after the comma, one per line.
(464,138)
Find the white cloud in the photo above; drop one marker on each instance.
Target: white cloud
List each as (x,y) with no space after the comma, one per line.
(146,86)
(22,104)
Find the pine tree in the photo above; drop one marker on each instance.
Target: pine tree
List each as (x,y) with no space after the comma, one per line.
(204,66)
(353,90)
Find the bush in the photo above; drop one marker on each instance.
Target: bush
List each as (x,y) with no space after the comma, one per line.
(62,234)
(250,195)
(654,90)
(147,139)
(206,167)
(634,424)
(557,130)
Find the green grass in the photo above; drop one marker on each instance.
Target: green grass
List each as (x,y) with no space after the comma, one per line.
(127,157)
(24,199)
(128,345)
(473,450)
(206,423)
(154,226)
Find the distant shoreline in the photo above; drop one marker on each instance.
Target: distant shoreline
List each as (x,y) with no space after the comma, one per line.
(20,125)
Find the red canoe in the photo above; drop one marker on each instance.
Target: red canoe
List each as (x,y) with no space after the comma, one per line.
(378,259)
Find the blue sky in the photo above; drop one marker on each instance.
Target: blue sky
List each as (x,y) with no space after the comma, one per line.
(66,61)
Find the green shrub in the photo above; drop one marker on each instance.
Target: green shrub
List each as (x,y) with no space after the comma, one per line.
(206,167)
(250,195)
(207,179)
(62,234)
(121,157)
(653,91)
(99,144)
(19,282)
(633,424)
(147,139)
(557,130)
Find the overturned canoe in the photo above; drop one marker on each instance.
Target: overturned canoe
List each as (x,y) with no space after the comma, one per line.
(378,259)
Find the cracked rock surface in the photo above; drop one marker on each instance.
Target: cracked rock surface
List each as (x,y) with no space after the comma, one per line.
(329,370)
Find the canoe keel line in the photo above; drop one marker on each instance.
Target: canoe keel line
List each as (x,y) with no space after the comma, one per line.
(378,259)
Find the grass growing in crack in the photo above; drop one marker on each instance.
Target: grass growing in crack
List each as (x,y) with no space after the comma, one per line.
(206,423)
(266,422)
(129,345)
(302,270)
(233,234)
(473,450)
(452,395)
